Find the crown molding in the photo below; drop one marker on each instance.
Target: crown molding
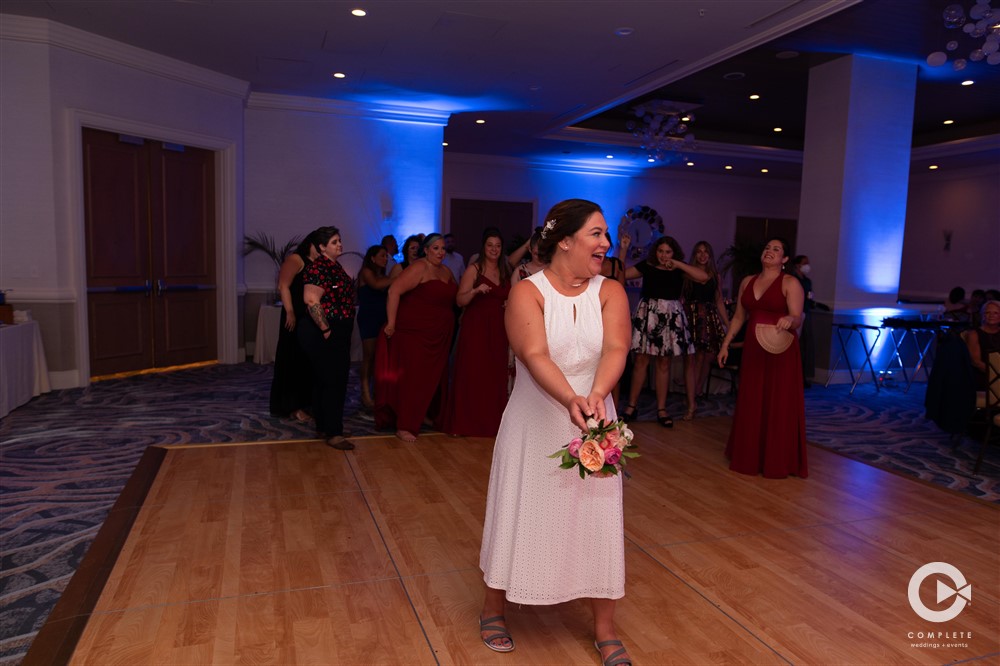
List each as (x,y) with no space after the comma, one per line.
(959,147)
(348,109)
(50,33)
(568,164)
(716,148)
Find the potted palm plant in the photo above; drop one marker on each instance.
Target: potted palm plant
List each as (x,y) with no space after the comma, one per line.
(264,242)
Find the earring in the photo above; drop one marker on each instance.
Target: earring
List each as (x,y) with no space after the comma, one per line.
(564,247)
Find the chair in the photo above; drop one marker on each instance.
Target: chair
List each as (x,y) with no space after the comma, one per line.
(991,405)
(730,372)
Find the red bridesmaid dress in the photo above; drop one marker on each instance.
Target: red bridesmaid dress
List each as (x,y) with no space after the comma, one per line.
(477,394)
(768,435)
(411,368)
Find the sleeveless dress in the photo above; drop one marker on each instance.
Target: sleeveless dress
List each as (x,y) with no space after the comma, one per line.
(292,382)
(707,329)
(550,536)
(477,394)
(768,435)
(371,310)
(411,368)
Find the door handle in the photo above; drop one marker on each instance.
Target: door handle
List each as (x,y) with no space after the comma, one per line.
(122,289)
(162,287)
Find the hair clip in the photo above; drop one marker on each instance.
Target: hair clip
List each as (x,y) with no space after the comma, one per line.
(549,225)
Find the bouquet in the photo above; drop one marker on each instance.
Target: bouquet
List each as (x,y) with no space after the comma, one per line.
(603,447)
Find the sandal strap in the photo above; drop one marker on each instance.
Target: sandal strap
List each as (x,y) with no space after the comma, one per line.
(614,659)
(501,632)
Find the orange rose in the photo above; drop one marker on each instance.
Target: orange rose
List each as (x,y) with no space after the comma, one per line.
(592,456)
(612,437)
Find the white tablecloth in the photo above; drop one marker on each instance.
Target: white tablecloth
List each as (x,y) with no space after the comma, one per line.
(24,373)
(268,321)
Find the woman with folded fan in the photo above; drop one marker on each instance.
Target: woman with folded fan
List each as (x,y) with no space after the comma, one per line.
(768,434)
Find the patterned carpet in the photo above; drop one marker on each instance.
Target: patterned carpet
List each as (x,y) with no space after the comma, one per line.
(65,456)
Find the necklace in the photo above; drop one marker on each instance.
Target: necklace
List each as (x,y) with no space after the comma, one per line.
(565,281)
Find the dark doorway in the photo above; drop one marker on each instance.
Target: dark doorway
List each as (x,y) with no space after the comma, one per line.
(150,245)
(748,242)
(514,219)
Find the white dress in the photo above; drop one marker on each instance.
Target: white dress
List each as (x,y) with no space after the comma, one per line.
(549,535)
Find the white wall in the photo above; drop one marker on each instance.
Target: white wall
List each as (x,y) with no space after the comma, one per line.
(311,163)
(967,203)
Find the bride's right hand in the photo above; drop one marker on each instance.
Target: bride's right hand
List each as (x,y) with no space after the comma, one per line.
(579,411)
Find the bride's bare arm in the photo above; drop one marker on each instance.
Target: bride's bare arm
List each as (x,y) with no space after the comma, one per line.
(614,348)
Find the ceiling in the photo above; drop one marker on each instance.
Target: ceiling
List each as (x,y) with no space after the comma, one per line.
(555,81)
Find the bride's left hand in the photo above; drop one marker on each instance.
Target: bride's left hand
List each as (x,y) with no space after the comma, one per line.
(579,411)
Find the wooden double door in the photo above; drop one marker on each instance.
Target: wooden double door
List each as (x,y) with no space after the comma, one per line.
(150,247)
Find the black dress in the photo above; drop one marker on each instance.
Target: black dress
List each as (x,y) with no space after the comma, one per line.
(292,384)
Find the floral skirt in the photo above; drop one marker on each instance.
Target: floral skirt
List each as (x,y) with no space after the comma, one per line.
(707,329)
(659,328)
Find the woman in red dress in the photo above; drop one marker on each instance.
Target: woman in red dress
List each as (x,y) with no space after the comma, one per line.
(478,391)
(414,345)
(768,434)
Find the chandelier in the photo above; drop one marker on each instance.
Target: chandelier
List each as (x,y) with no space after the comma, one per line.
(981,22)
(663,127)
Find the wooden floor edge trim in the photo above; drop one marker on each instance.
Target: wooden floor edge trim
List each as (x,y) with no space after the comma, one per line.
(56,640)
(267,442)
(930,484)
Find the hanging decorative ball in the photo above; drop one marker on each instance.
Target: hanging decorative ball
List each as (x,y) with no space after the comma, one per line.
(977,55)
(937,59)
(952,45)
(953,15)
(959,64)
(993,58)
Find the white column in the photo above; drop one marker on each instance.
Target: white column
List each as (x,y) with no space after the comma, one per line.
(852,212)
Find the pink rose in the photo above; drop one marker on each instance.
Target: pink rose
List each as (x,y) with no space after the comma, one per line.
(592,456)
(612,438)
(574,447)
(612,455)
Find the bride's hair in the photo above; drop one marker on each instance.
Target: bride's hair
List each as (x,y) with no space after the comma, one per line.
(563,220)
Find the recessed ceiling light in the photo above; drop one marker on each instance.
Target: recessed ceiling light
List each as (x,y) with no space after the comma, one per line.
(729,167)
(624,31)
(786,55)
(777,129)
(763,170)
(949,122)
(650,159)
(610,157)
(339,75)
(686,119)
(967,82)
(534,88)
(690,163)
(755,96)
(358,12)
(444,143)
(480,122)
(932,167)
(733,76)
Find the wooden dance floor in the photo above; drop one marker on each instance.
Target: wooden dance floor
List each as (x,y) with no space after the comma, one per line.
(294,553)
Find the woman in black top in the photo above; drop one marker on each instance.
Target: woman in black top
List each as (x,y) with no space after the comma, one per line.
(326,334)
(708,321)
(292,385)
(659,326)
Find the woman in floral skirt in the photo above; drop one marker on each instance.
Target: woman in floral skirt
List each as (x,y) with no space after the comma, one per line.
(659,325)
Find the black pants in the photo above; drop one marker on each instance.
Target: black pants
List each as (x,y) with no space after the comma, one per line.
(331,363)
